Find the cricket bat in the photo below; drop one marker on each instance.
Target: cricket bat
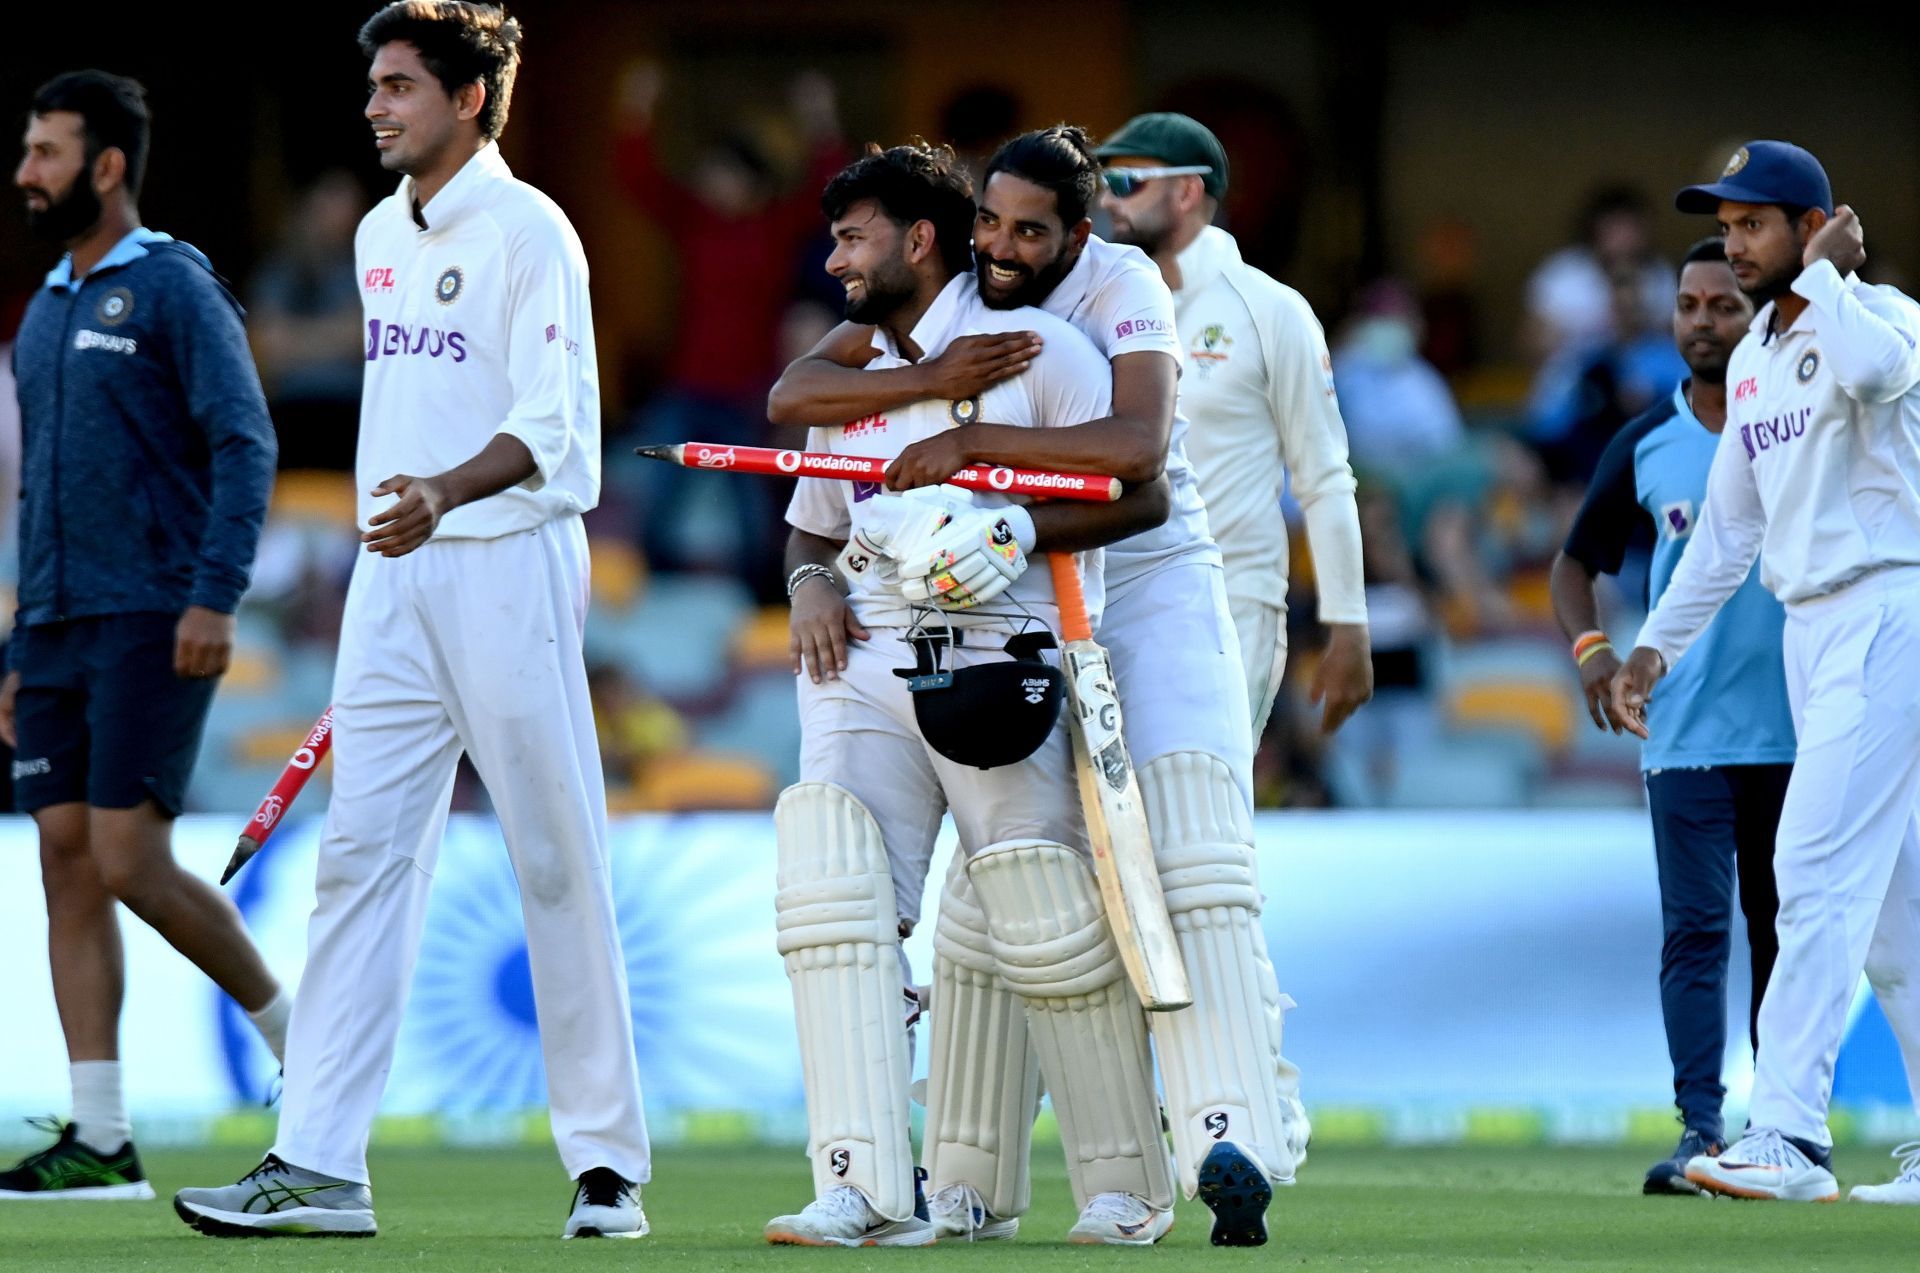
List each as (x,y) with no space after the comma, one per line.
(1116,817)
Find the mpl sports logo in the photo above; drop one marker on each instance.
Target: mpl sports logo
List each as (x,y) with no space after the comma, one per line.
(404,340)
(865,424)
(378,279)
(1141,327)
(1748,388)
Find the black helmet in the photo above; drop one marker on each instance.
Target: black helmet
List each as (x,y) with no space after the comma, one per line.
(990,714)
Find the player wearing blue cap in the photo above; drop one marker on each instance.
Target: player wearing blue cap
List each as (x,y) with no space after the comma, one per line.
(1819,463)
(1722,747)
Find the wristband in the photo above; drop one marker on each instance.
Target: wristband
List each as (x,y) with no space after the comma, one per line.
(1591,639)
(1021,522)
(812,570)
(1584,656)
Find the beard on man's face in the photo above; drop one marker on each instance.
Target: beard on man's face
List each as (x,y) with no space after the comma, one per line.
(1033,287)
(882,292)
(68,217)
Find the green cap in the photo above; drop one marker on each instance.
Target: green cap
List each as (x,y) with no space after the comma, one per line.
(1177,140)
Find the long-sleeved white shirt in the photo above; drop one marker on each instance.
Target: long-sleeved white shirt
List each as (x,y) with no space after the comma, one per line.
(1068,383)
(1115,296)
(1818,469)
(1258,388)
(478,323)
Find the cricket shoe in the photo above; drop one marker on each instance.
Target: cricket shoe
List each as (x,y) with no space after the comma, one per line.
(1766,1166)
(843,1217)
(1120,1219)
(958,1211)
(605,1205)
(1237,1192)
(70,1170)
(276,1200)
(1903,1188)
(1669,1175)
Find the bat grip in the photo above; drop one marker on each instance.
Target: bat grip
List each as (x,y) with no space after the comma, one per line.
(1071,599)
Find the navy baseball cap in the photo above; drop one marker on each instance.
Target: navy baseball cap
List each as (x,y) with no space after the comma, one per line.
(1764,172)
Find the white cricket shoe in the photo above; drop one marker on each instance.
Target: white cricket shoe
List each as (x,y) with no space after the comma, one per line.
(1903,1188)
(605,1205)
(1120,1219)
(844,1218)
(958,1211)
(1766,1166)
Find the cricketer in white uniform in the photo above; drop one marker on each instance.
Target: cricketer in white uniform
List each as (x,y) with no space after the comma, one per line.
(1818,472)
(1257,383)
(1237,1122)
(857,833)
(479,345)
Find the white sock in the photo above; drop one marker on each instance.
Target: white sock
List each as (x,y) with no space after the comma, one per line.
(271,1021)
(99,1108)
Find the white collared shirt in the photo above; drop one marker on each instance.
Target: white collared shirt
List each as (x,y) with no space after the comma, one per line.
(1258,387)
(478,324)
(1115,296)
(1818,469)
(1068,383)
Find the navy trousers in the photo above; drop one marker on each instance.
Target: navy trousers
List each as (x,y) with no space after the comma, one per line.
(1711,828)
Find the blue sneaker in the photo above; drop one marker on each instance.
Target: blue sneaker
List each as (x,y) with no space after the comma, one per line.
(1669,1175)
(1237,1192)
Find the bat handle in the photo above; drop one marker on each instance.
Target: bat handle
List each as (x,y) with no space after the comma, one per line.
(1068,595)
(246,848)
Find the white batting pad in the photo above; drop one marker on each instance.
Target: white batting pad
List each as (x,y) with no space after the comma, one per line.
(1053,948)
(1220,1058)
(839,934)
(983,1083)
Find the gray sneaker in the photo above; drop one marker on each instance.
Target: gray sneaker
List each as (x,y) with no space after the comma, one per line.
(605,1205)
(278,1200)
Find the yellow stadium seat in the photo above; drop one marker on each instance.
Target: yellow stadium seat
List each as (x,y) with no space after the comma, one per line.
(270,744)
(1531,593)
(619,573)
(1534,707)
(761,641)
(703,780)
(252,671)
(315,495)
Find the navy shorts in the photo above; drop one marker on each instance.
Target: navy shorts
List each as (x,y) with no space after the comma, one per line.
(101,717)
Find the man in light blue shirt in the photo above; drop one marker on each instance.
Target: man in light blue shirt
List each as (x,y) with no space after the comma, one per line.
(1722,745)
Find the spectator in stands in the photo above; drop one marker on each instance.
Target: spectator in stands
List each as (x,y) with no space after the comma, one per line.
(1400,414)
(305,321)
(739,239)
(1585,397)
(1569,297)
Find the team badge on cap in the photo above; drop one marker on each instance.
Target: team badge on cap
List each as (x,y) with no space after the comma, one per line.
(446,288)
(1736,163)
(1808,365)
(965,411)
(115,307)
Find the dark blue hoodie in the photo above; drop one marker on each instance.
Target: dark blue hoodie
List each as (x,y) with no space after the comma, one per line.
(148,454)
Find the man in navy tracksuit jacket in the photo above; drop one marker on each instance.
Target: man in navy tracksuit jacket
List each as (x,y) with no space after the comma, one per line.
(148,461)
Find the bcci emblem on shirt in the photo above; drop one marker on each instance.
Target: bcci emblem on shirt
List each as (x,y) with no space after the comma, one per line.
(965,411)
(446,288)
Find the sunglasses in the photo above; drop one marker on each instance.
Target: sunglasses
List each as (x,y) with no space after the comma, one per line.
(1127,182)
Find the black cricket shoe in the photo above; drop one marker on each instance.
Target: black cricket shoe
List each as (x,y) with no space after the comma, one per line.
(1669,1175)
(72,1170)
(1237,1192)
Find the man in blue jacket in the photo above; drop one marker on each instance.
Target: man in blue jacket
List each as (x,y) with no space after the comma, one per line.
(148,461)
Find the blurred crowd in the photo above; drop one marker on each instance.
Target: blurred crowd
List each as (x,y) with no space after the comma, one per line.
(1472,447)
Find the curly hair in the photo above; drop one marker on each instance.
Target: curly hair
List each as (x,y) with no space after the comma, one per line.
(1059,159)
(914,182)
(461,43)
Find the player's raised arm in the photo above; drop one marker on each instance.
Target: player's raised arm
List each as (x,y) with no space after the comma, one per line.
(827,385)
(1130,442)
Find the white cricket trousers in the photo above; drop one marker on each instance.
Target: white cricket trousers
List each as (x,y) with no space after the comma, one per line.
(1847,858)
(1262,627)
(463,645)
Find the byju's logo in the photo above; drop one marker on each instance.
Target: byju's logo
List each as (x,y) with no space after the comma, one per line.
(1766,435)
(398,340)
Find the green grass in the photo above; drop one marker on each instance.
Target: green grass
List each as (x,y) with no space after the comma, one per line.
(1380,1208)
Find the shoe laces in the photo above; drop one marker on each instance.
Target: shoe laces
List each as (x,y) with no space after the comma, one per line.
(603,1187)
(844,1203)
(52,1125)
(269,1166)
(1122,1208)
(960,1200)
(1766,1147)
(1909,1156)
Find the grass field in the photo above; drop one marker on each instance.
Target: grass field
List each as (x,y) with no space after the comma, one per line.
(1479,1208)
